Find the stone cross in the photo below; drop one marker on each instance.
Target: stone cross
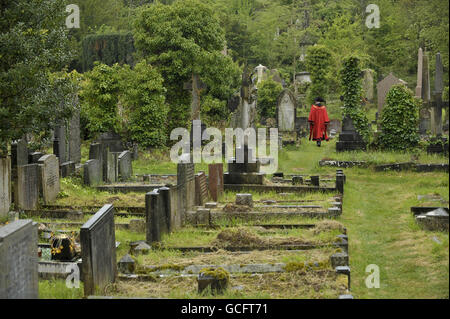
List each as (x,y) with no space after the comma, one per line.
(438,88)
(195,86)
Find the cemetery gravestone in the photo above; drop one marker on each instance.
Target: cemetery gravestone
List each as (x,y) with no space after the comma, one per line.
(98,250)
(67,169)
(383,88)
(49,177)
(201,189)
(92,172)
(125,165)
(18,260)
(438,88)
(34,157)
(27,187)
(335,125)
(60,148)
(286,111)
(215,175)
(349,139)
(368,84)
(5,185)
(74,137)
(19,153)
(112,169)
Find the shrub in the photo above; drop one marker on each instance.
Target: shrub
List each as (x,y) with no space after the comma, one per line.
(399,119)
(268,92)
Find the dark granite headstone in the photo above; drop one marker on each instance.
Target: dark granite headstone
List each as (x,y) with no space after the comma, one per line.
(19,153)
(75,137)
(158,214)
(18,260)
(98,250)
(349,139)
(34,157)
(60,147)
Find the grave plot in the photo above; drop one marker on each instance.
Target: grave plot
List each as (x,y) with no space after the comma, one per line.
(265,207)
(258,262)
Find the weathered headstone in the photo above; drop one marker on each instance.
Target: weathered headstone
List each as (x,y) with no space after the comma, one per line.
(335,125)
(186,185)
(383,88)
(125,165)
(18,260)
(215,175)
(158,214)
(438,88)
(74,136)
(201,189)
(368,84)
(19,153)
(261,73)
(67,169)
(49,177)
(98,250)
(286,111)
(27,187)
(112,168)
(92,172)
(5,185)
(60,146)
(34,157)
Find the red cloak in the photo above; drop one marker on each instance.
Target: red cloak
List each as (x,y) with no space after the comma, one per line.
(318,122)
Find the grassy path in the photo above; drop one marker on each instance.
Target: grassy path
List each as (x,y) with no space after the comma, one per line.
(382,230)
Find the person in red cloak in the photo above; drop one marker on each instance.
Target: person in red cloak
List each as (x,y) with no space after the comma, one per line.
(318,121)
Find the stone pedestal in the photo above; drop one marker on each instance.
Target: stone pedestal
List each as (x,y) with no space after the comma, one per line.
(349,139)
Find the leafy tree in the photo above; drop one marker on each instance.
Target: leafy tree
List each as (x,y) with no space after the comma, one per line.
(33,44)
(268,92)
(100,97)
(182,39)
(144,110)
(318,61)
(399,119)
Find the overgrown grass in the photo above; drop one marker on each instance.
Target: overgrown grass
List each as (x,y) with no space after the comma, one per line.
(57,289)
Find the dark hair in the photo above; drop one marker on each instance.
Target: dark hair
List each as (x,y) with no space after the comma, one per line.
(319,99)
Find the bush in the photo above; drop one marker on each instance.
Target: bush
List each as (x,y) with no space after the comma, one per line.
(144,105)
(100,96)
(268,92)
(317,61)
(399,119)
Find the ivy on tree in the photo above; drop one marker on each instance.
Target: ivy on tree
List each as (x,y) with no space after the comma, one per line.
(317,62)
(350,76)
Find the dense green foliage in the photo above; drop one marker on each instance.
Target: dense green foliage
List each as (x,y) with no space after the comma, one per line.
(182,39)
(33,44)
(350,77)
(268,93)
(317,62)
(399,119)
(144,109)
(100,97)
(126,101)
(108,49)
